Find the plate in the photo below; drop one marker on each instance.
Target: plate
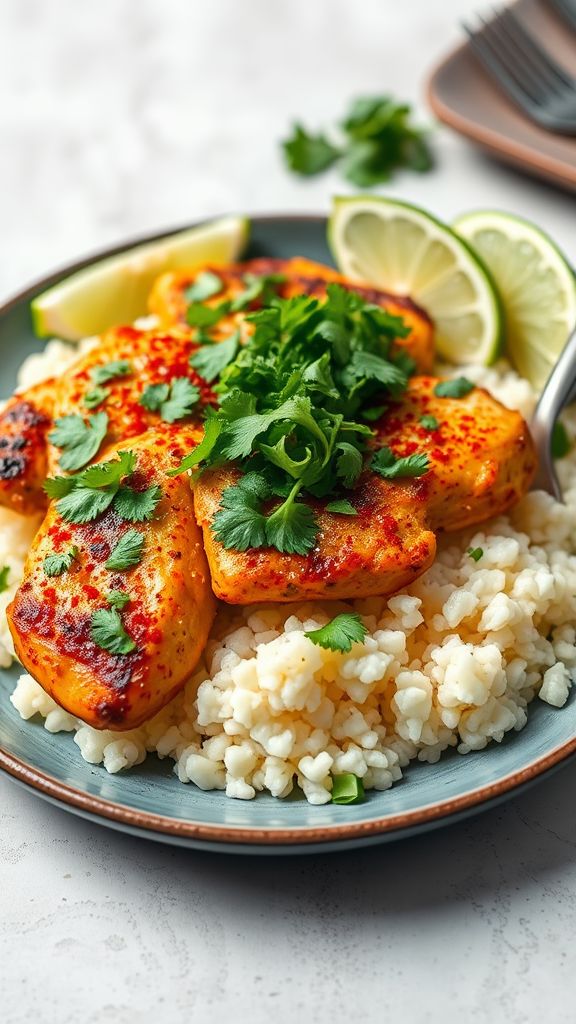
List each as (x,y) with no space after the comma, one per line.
(149,801)
(463,96)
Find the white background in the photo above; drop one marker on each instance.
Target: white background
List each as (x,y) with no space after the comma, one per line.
(120,117)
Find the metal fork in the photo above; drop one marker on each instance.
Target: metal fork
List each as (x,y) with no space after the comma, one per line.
(567,9)
(557,392)
(530,76)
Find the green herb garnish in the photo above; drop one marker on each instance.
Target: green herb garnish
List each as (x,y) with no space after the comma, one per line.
(118,599)
(342,507)
(340,633)
(127,552)
(95,397)
(198,315)
(108,371)
(429,422)
(204,287)
(287,415)
(457,387)
(4,574)
(172,401)
(476,553)
(259,287)
(376,138)
(347,789)
(79,440)
(85,496)
(385,463)
(561,443)
(107,631)
(55,565)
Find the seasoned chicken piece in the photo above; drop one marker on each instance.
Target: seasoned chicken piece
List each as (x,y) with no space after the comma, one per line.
(481,460)
(145,357)
(167,617)
(168,299)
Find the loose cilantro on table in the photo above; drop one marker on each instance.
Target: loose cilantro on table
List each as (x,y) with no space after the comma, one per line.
(4,574)
(55,565)
(455,387)
(108,632)
(172,401)
(79,440)
(376,138)
(85,496)
(127,552)
(289,399)
(340,633)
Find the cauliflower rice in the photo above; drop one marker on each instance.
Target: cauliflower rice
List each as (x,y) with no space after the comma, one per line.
(453,661)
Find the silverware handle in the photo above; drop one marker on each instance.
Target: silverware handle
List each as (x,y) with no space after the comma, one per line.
(553,399)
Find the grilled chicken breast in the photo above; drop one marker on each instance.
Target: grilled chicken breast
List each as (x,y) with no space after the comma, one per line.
(481,459)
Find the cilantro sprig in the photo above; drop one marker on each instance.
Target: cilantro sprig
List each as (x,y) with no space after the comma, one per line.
(172,401)
(375,138)
(289,402)
(83,497)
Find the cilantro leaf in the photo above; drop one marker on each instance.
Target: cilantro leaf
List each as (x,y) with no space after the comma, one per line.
(118,599)
(58,486)
(348,463)
(340,633)
(259,287)
(55,565)
(347,789)
(153,396)
(107,631)
(211,360)
(95,397)
(457,387)
(373,367)
(239,522)
(386,464)
(374,413)
(212,431)
(79,441)
(292,528)
(137,506)
(84,504)
(429,422)
(342,507)
(308,154)
(108,371)
(105,474)
(4,574)
(199,315)
(127,552)
(204,287)
(184,396)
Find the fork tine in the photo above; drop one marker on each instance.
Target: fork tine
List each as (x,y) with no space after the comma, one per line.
(542,62)
(516,65)
(497,68)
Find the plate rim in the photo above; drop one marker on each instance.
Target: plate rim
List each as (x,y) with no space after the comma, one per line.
(105,811)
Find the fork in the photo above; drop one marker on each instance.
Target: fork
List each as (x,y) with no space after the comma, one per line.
(555,396)
(567,9)
(530,76)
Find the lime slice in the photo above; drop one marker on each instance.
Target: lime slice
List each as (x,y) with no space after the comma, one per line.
(535,282)
(402,249)
(115,290)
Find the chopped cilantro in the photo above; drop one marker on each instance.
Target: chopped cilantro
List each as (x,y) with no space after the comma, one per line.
(342,507)
(340,633)
(108,371)
(172,401)
(429,422)
(561,443)
(95,397)
(385,463)
(211,360)
(107,631)
(204,287)
(84,504)
(137,506)
(376,138)
(240,522)
(347,789)
(86,495)
(118,599)
(198,315)
(127,552)
(153,396)
(55,565)
(4,574)
(79,440)
(476,553)
(456,387)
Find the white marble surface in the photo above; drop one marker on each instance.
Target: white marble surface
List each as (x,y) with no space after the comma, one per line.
(119,117)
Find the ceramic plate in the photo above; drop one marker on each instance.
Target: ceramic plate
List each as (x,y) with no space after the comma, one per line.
(463,96)
(149,801)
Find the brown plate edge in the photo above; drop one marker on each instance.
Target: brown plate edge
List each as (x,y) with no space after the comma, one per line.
(504,147)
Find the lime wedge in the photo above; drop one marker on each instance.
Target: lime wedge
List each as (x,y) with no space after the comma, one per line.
(115,290)
(536,284)
(402,249)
